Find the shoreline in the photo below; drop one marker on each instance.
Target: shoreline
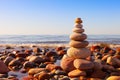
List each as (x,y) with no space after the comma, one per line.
(49,45)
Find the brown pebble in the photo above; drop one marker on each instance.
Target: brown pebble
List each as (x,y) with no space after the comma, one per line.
(76,73)
(78,36)
(36,59)
(78,44)
(35,70)
(51,67)
(78,52)
(78,20)
(78,30)
(43,76)
(67,64)
(83,64)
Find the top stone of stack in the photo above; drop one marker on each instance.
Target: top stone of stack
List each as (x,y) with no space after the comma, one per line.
(78,20)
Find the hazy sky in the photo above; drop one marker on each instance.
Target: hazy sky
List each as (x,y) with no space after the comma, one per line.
(57,16)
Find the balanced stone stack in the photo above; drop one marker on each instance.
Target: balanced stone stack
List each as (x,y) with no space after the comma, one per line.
(77,44)
(75,61)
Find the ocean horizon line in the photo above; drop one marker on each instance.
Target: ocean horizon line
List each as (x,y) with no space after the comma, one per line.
(55,34)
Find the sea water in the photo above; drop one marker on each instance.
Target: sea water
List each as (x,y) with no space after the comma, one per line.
(55,39)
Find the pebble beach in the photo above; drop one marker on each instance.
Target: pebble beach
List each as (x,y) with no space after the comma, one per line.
(76,60)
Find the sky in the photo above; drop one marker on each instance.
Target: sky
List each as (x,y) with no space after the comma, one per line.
(28,17)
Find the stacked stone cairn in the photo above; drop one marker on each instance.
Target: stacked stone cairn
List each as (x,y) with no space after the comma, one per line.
(75,61)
